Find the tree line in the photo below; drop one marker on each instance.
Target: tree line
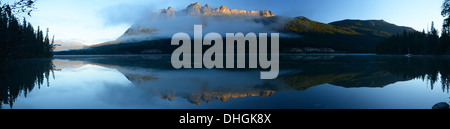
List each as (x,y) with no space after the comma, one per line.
(18,39)
(20,77)
(416,43)
(420,43)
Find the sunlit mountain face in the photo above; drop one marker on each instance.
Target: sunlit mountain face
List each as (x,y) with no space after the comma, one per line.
(66,46)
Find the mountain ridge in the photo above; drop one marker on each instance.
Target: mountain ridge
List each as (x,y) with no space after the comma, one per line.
(349,35)
(374,25)
(319,35)
(195,10)
(206,10)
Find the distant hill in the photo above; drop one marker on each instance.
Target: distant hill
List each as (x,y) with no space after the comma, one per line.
(305,26)
(372,27)
(352,36)
(65,46)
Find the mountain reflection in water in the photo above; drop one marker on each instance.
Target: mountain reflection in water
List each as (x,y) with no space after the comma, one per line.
(118,79)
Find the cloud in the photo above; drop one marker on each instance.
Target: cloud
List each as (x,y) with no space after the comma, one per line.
(166,28)
(125,13)
(131,11)
(110,19)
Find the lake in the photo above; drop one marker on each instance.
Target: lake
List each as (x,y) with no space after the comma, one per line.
(150,82)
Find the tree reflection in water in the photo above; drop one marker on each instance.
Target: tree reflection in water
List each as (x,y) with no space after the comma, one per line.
(299,72)
(427,68)
(21,76)
(366,71)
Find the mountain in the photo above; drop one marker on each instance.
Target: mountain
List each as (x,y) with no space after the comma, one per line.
(68,45)
(204,15)
(206,10)
(373,27)
(305,26)
(298,72)
(354,36)
(298,34)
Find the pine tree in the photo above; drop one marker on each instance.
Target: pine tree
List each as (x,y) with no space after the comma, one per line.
(19,39)
(417,43)
(446,13)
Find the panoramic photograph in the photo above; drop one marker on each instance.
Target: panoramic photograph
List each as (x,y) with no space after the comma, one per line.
(224,54)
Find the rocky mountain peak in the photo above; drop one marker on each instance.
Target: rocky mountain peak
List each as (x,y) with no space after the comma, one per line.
(223,10)
(206,9)
(196,3)
(197,9)
(166,13)
(194,9)
(223,7)
(170,10)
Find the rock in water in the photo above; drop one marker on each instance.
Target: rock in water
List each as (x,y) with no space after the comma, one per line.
(441,105)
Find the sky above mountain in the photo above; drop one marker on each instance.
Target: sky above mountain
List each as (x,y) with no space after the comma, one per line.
(96,21)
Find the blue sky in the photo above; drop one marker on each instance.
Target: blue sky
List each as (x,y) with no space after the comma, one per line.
(97,21)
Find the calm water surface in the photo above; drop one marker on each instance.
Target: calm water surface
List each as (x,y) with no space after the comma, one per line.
(150,82)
